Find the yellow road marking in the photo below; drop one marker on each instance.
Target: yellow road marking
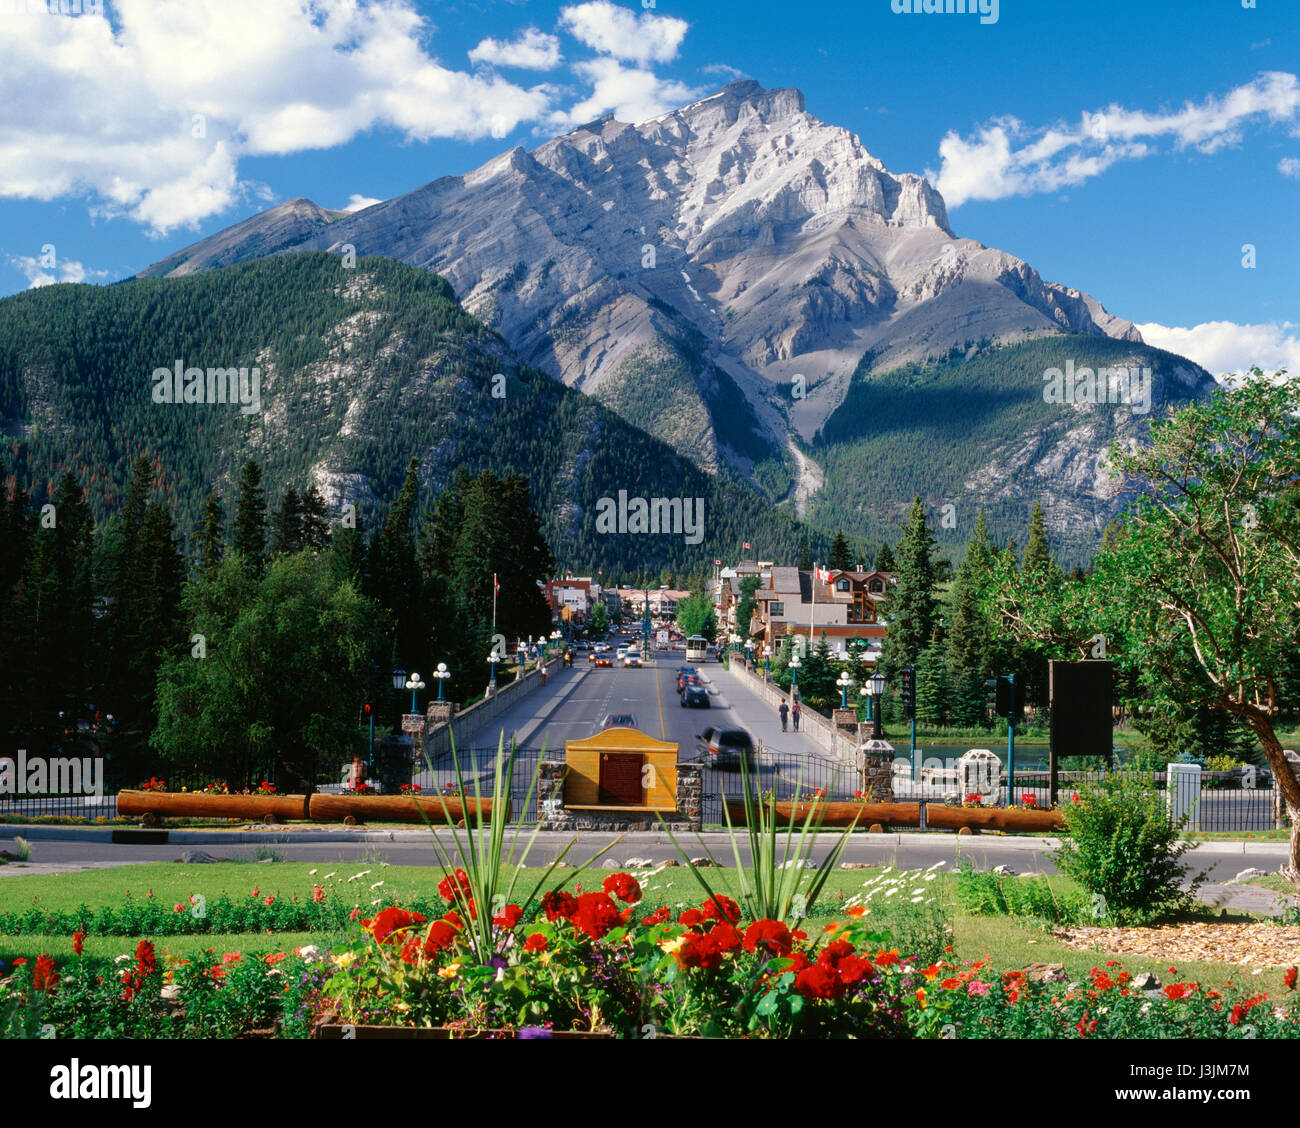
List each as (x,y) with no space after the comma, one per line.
(659,696)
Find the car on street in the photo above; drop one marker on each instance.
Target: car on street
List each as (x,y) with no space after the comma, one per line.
(618,720)
(682,673)
(725,747)
(695,696)
(602,660)
(632,658)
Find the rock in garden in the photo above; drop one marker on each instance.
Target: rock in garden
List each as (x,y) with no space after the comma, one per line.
(1247,874)
(702,863)
(194,857)
(1146,981)
(609,863)
(854,865)
(639,863)
(671,862)
(1005,871)
(1039,972)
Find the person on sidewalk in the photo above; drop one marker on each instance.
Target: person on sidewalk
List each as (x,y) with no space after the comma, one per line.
(784,710)
(794,715)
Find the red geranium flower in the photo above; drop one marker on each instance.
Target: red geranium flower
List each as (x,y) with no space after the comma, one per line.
(854,968)
(1289,977)
(721,907)
(699,950)
(660,915)
(557,904)
(508,917)
(623,886)
(835,951)
(390,919)
(454,888)
(818,982)
(769,936)
(596,914)
(691,917)
(536,943)
(441,935)
(887,959)
(725,937)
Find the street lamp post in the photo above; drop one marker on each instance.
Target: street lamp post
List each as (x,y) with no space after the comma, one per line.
(555,637)
(767,659)
(876,683)
(749,654)
(845,683)
(795,663)
(442,674)
(414,684)
(863,657)
(493,658)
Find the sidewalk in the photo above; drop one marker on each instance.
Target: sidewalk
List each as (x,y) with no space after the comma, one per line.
(760,718)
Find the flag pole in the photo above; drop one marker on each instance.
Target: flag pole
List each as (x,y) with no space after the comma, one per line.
(494,605)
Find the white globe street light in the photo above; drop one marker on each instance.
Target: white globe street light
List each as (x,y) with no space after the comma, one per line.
(441,673)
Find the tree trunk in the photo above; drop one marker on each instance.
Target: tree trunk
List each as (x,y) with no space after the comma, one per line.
(1284,779)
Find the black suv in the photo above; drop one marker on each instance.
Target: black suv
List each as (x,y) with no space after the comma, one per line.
(724,747)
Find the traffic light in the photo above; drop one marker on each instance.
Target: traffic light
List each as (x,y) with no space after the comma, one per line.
(909,692)
(1006,697)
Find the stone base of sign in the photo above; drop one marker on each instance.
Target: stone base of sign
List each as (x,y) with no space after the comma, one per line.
(846,720)
(876,771)
(552,814)
(440,712)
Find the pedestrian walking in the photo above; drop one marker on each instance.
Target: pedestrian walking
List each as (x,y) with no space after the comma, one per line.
(794,715)
(784,710)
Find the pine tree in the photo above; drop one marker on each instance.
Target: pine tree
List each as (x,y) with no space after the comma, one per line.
(394,573)
(286,527)
(250,517)
(911,606)
(841,559)
(805,555)
(968,641)
(314,527)
(1038,553)
(932,686)
(884,559)
(212,542)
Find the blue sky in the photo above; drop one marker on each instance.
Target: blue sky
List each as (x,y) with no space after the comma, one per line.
(1127,149)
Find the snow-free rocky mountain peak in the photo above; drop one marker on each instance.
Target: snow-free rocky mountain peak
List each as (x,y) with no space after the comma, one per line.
(685,269)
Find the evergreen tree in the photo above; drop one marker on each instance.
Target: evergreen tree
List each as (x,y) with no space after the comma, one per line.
(841,559)
(805,555)
(932,686)
(968,640)
(286,527)
(911,605)
(394,574)
(212,542)
(250,517)
(1038,553)
(314,529)
(884,559)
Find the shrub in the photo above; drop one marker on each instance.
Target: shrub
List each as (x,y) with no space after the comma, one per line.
(993,894)
(1122,846)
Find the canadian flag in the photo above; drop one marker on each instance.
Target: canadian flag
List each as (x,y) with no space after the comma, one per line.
(496,587)
(747,545)
(717,563)
(823,574)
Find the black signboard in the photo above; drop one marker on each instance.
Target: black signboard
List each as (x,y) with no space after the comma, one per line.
(1083,721)
(620,780)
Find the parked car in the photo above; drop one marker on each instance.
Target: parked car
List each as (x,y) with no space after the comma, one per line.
(695,696)
(725,747)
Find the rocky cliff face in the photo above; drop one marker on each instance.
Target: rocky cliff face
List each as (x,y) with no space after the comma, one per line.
(688,269)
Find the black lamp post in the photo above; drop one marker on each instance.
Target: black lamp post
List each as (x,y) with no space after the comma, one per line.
(876,683)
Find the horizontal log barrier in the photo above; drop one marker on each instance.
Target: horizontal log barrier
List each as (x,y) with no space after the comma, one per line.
(937,815)
(399,808)
(202,805)
(316,808)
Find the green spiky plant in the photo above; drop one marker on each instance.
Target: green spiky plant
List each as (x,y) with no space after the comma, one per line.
(775,885)
(485,856)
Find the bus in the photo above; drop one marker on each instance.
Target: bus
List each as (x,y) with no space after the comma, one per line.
(697,649)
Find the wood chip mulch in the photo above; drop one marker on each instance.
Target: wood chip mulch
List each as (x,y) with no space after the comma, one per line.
(1247,945)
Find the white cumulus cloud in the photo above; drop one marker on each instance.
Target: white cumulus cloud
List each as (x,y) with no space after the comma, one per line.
(532,50)
(1006,157)
(149,116)
(610,30)
(1226,348)
(1289,166)
(631,94)
(39,274)
(357,202)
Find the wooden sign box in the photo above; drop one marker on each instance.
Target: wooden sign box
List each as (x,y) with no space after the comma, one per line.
(620,769)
